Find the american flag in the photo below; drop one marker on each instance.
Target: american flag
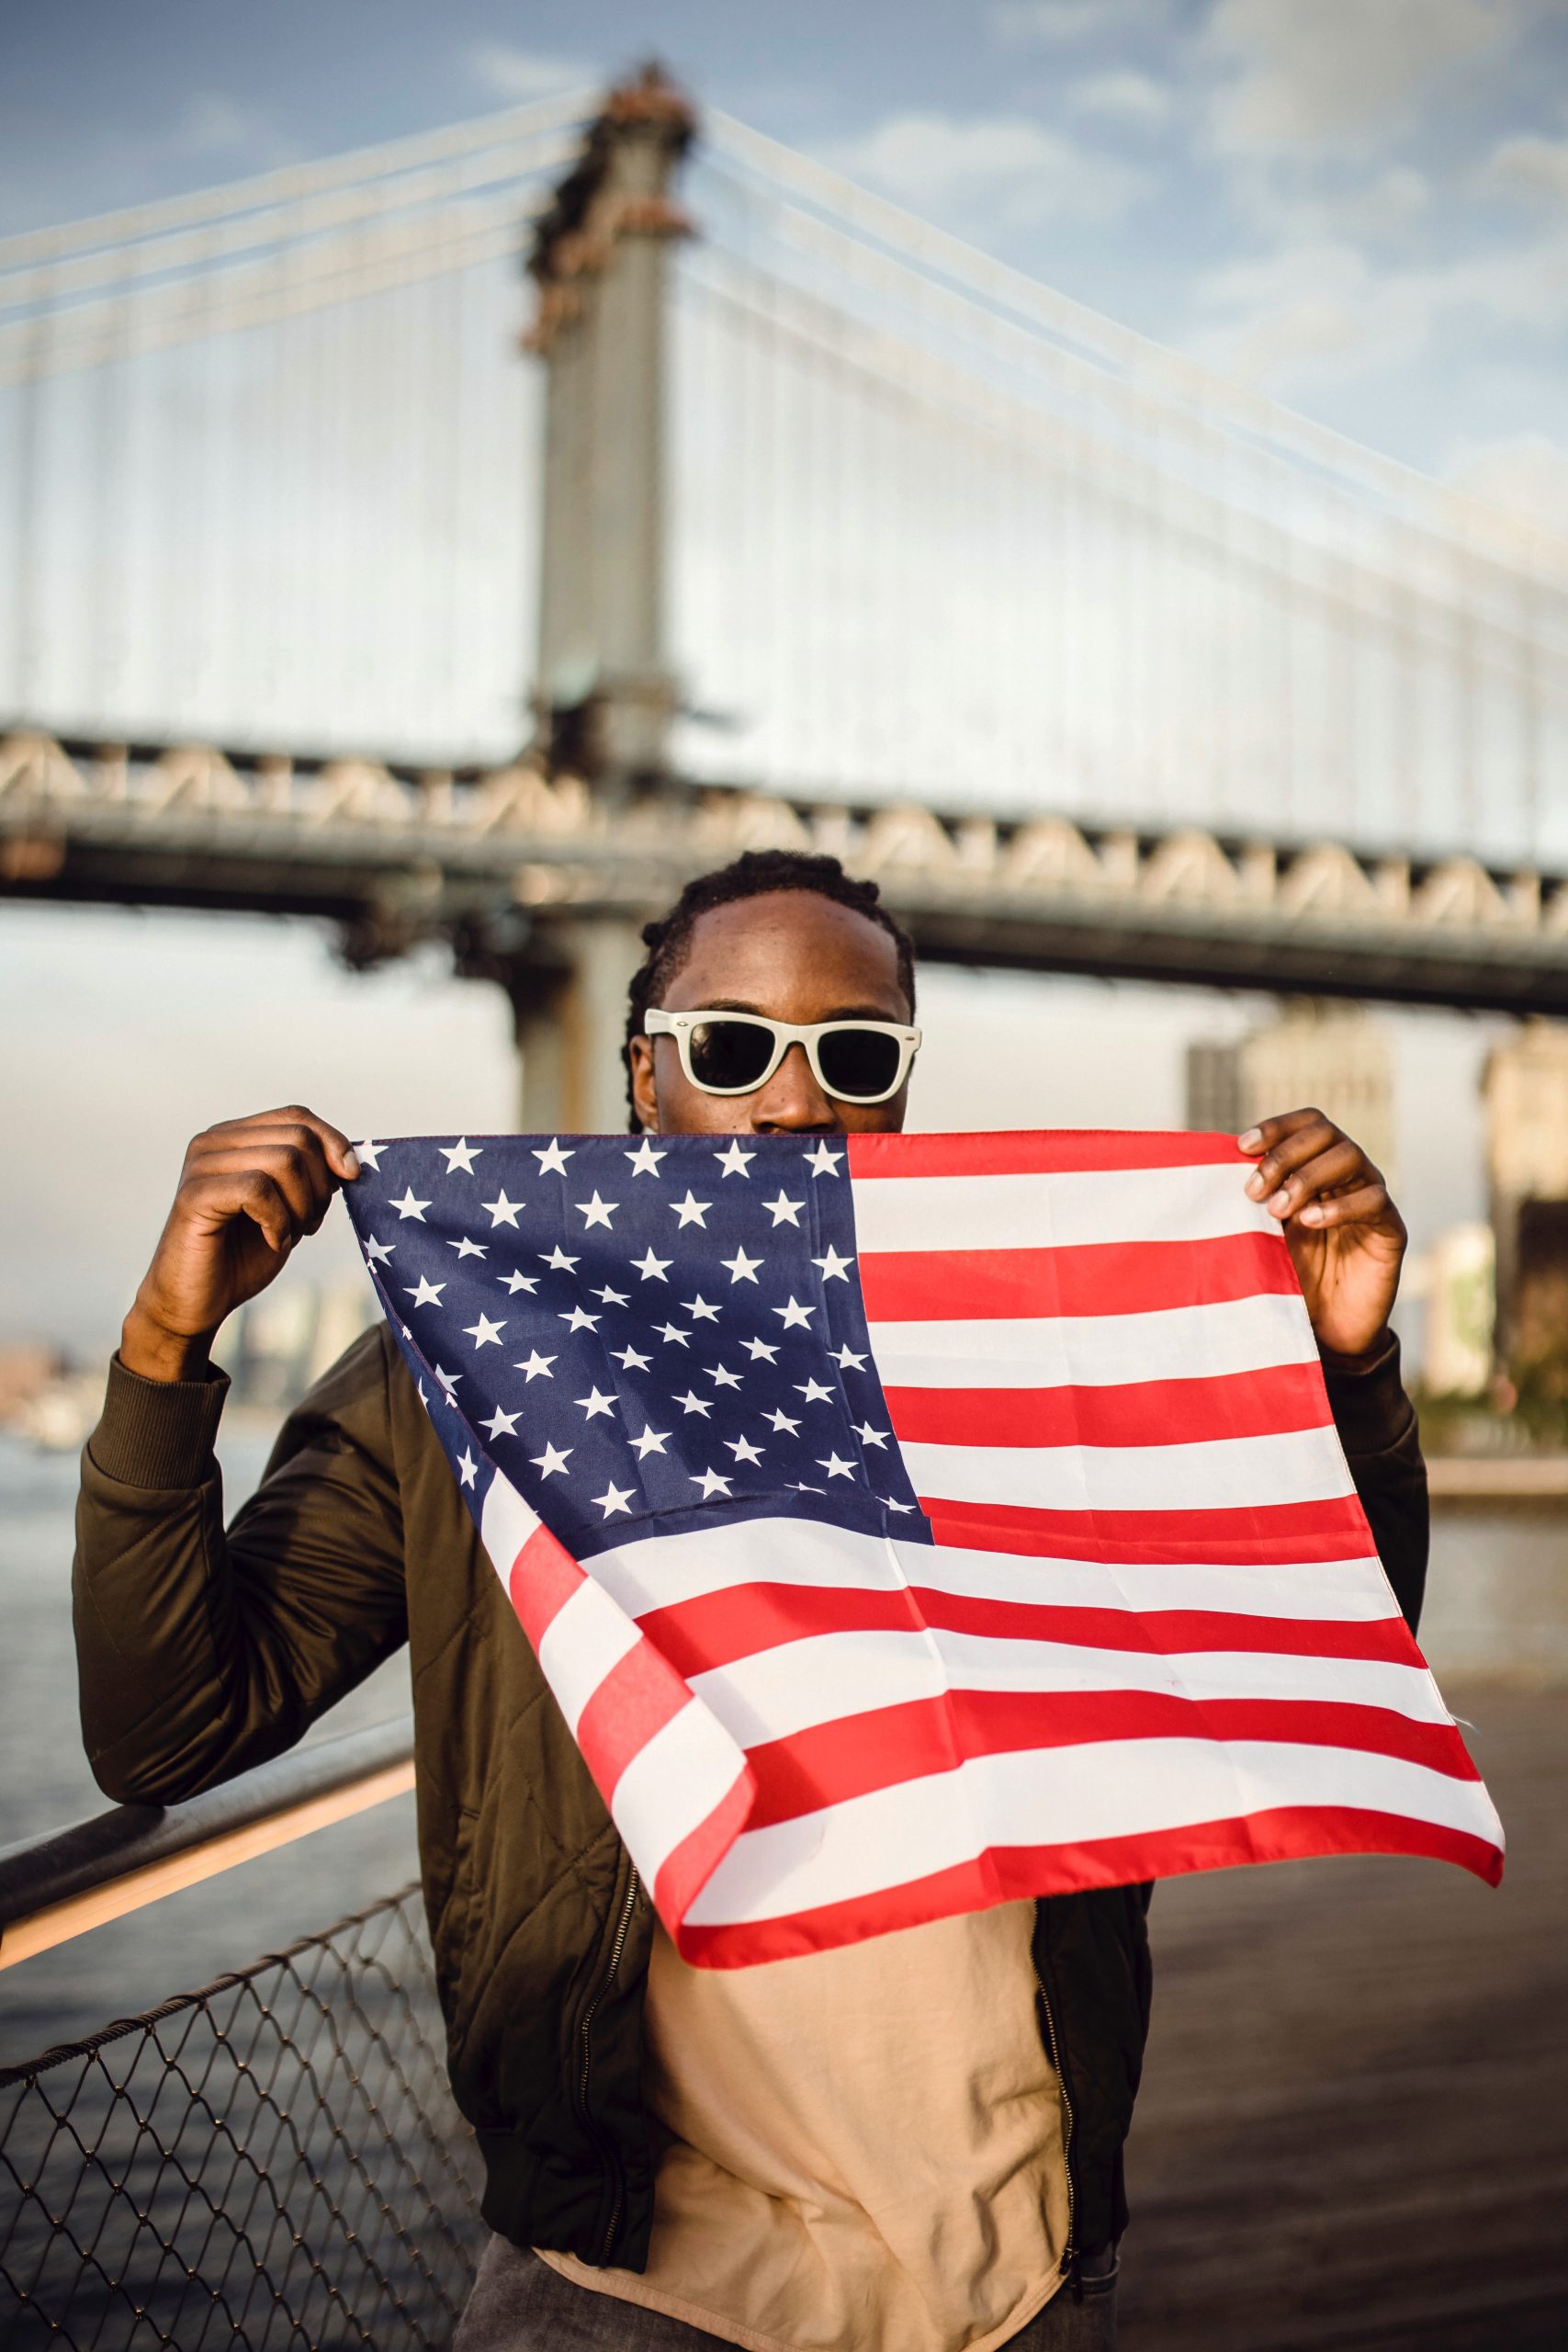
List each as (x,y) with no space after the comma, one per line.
(907,1524)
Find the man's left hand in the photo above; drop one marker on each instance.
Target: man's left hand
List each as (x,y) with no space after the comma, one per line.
(1345,1234)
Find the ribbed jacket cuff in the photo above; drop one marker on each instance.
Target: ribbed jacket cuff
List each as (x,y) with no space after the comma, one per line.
(157,1432)
(1372,1412)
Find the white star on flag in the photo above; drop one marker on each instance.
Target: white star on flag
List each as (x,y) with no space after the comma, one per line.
(692,1403)
(794,1316)
(847,1359)
(595,1212)
(502,1211)
(836,1468)
(552,1462)
(595,1403)
(781,1420)
(743,1449)
(722,1379)
(741,1268)
(782,1211)
(672,1332)
(868,1436)
(834,1268)
(691,1211)
(615,1498)
(501,1424)
(484,1333)
(735,1162)
(613,1297)
(535,1367)
(650,1442)
(711,1483)
(699,1310)
(467,1248)
(823,1162)
(516,1282)
(629,1359)
(369,1155)
(652,1268)
(557,1259)
(407,1206)
(760,1351)
(467,1468)
(578,1320)
(814,1392)
(552,1156)
(428,1293)
(645,1160)
(462,1154)
(377,1252)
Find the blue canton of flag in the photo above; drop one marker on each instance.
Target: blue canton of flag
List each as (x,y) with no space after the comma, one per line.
(667,1332)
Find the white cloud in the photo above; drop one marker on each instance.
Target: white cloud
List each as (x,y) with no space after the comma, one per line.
(1004,164)
(1528,166)
(514,72)
(1125,96)
(211,124)
(1060,21)
(1304,75)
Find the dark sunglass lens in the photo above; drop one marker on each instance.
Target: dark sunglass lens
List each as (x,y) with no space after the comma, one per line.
(858,1063)
(729,1053)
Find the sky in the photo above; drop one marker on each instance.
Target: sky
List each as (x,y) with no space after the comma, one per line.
(1360,207)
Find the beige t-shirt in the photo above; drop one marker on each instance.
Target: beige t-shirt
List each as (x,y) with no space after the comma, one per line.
(862,2148)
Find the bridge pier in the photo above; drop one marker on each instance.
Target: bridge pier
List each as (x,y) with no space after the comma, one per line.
(569,1001)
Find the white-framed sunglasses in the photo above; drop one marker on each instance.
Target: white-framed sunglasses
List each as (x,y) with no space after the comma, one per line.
(735,1053)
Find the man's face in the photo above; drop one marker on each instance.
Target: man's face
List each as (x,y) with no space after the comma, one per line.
(793,957)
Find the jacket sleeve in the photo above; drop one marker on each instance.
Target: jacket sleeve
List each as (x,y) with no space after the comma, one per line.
(200,1652)
(1376,1423)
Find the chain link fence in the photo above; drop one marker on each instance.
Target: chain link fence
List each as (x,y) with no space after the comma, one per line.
(274,2160)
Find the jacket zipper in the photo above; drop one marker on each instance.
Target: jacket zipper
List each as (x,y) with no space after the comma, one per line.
(1069,2262)
(623,1929)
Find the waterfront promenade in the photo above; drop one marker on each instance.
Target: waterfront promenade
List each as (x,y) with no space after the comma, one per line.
(1354,2126)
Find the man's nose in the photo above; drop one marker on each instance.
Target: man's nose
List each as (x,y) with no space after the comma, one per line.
(792,1102)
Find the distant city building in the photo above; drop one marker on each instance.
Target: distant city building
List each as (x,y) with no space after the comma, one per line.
(1330,1056)
(1526,1091)
(276,1346)
(1456,1277)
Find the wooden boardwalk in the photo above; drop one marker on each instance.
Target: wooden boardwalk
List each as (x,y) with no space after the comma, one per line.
(1354,2125)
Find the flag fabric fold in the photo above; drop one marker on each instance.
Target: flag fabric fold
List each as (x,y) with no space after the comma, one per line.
(906,1524)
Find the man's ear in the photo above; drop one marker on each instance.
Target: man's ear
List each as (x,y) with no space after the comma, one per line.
(645,1092)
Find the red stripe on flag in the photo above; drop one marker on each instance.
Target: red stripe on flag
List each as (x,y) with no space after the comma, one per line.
(1012,1873)
(1092,1278)
(1259,1533)
(639,1695)
(1070,1150)
(686,1870)
(543,1579)
(1142,1412)
(716,1628)
(831,1763)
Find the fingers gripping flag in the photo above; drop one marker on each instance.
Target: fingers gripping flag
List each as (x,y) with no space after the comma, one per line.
(905,1524)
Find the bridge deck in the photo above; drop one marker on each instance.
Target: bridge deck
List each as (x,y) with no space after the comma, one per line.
(1354,2130)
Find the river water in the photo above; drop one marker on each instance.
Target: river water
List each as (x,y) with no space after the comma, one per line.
(1497,1604)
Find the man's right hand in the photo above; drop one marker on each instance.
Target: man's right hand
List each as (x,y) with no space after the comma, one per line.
(248,1190)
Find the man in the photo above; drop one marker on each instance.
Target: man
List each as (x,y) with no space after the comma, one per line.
(912,2145)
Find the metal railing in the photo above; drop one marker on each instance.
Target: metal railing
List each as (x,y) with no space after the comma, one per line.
(274,2159)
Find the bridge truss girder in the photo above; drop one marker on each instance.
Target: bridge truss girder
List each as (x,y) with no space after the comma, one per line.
(508,864)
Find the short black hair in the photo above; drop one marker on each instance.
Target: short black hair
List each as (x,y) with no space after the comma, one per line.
(753,875)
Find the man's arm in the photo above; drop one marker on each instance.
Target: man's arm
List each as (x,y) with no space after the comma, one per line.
(201,1653)
(1376,1423)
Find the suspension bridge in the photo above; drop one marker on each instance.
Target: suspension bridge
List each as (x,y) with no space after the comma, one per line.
(468,537)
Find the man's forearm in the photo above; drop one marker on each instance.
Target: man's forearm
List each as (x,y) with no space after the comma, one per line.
(1377,1428)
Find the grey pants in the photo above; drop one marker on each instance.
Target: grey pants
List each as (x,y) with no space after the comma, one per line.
(520,2304)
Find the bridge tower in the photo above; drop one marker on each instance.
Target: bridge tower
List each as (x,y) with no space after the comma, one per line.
(605,692)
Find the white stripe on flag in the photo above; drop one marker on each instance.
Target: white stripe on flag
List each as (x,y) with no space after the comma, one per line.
(1096,1350)
(1041,1212)
(672,1785)
(1224,1474)
(805,1552)
(777,1693)
(1061,1796)
(506,1522)
(584,1641)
